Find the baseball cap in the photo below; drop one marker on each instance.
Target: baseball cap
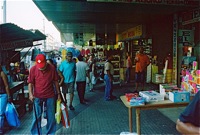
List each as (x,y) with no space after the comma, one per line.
(69,54)
(40,61)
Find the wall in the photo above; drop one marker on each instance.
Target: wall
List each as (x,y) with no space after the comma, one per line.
(161,33)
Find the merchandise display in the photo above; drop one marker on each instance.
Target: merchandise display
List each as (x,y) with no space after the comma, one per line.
(166,88)
(116,65)
(151,96)
(135,101)
(191,79)
(179,96)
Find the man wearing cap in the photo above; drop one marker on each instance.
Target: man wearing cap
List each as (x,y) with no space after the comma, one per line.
(42,78)
(68,70)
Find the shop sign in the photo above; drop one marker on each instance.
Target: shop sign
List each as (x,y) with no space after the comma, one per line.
(186,37)
(17,44)
(191,17)
(164,2)
(131,33)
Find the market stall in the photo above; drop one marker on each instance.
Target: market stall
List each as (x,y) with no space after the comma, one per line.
(13,37)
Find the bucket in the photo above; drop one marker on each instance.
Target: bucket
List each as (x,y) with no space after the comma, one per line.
(159,78)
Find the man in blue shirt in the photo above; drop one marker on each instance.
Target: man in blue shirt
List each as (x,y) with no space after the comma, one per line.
(189,119)
(68,69)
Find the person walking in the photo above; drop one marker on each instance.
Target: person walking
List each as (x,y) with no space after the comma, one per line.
(82,71)
(142,61)
(41,81)
(189,120)
(68,70)
(4,97)
(108,78)
(91,64)
(128,68)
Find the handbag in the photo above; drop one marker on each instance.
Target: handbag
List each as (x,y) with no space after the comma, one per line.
(65,116)
(12,115)
(58,111)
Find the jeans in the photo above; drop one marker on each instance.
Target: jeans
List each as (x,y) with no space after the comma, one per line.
(128,72)
(3,103)
(50,113)
(108,87)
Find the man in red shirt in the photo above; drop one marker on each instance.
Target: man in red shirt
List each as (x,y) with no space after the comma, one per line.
(42,79)
(142,61)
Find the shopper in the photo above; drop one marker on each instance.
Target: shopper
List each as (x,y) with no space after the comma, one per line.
(82,71)
(4,97)
(142,61)
(67,69)
(128,68)
(189,119)
(41,81)
(108,78)
(91,64)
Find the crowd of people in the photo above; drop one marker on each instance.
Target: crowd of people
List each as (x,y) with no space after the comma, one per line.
(48,82)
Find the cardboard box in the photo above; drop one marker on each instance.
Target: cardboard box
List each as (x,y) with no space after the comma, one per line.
(136,101)
(166,88)
(151,96)
(179,96)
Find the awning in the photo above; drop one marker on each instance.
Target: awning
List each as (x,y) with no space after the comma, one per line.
(13,37)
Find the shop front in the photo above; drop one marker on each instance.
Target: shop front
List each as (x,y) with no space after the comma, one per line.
(12,38)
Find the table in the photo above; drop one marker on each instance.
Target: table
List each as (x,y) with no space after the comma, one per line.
(151,105)
(20,103)
(16,86)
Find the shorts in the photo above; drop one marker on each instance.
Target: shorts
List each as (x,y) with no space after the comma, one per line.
(68,88)
(140,77)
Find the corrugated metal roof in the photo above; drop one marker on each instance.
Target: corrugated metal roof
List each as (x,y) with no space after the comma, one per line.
(10,33)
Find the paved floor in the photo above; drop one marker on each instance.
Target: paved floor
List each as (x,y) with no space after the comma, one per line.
(109,117)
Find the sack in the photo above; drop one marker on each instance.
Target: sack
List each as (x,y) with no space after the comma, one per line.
(58,111)
(12,115)
(65,116)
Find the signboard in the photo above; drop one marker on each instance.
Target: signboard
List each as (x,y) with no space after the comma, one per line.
(16,44)
(191,17)
(131,33)
(100,39)
(164,2)
(186,37)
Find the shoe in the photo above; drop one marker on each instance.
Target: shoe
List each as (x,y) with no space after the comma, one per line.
(71,107)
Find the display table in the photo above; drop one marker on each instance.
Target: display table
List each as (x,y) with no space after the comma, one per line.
(20,102)
(151,105)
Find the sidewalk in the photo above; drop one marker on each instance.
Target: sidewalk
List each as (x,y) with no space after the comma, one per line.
(109,117)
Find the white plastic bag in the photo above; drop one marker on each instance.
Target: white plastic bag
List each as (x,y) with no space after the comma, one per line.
(94,80)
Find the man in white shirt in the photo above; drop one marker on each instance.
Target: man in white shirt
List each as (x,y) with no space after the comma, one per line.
(82,71)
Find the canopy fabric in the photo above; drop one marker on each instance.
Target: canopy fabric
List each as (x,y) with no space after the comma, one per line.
(14,37)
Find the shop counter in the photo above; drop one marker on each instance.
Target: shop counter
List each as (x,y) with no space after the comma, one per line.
(150,105)
(19,102)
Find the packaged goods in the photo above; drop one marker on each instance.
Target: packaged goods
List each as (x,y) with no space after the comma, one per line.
(151,96)
(136,101)
(179,96)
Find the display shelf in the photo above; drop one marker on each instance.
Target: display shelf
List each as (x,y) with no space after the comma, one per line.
(116,65)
